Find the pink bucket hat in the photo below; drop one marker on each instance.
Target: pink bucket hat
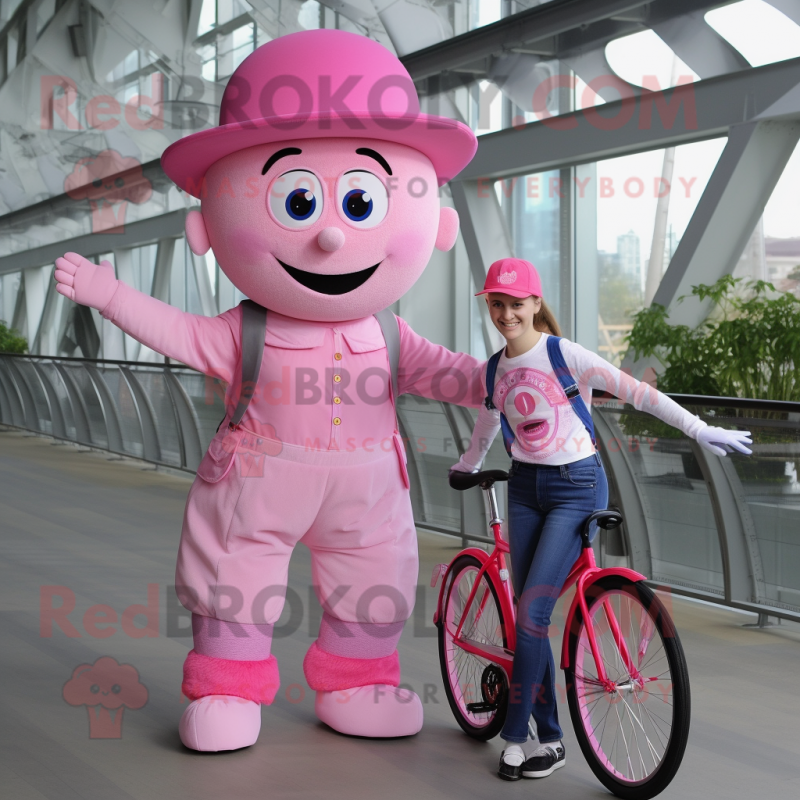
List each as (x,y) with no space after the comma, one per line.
(320,84)
(512,276)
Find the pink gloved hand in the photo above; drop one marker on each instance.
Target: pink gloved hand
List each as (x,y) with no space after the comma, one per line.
(85,282)
(720,441)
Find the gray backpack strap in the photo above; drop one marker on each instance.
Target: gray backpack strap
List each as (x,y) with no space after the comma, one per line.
(254,327)
(391,335)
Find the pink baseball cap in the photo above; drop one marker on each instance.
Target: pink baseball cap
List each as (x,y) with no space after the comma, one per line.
(320,84)
(513,276)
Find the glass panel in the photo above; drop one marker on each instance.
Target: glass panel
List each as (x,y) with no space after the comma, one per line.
(533,205)
(94,411)
(775,253)
(126,408)
(26,372)
(634,193)
(308,17)
(434,452)
(682,531)
(155,387)
(54,377)
(768,481)
(207,396)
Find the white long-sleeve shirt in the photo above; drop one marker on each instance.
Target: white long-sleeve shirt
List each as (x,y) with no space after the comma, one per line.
(546,428)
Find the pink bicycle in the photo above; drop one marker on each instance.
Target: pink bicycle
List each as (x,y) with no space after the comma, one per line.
(626,678)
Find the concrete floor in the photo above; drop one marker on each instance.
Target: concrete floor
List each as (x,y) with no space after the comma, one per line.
(106,529)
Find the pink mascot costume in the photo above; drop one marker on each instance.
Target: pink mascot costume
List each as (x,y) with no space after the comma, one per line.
(319,198)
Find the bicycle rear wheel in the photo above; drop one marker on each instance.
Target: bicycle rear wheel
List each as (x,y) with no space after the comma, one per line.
(632,735)
(476,688)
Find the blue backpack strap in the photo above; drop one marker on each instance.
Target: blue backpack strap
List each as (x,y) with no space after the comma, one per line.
(491,371)
(568,384)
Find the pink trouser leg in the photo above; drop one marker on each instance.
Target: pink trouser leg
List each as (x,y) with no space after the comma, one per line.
(227,676)
(355,669)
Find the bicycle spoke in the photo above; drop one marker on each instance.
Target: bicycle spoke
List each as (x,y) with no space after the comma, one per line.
(630,736)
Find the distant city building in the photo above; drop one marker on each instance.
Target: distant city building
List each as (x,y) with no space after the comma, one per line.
(782,261)
(629,254)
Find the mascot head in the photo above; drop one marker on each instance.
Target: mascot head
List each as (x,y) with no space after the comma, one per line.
(319,188)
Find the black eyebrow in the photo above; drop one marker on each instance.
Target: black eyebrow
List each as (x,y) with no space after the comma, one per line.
(287,151)
(366,151)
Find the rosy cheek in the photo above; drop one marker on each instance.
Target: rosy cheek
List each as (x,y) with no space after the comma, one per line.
(407,247)
(249,243)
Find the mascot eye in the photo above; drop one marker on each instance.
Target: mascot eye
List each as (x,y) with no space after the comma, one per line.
(295,199)
(97,183)
(94,689)
(116,688)
(362,199)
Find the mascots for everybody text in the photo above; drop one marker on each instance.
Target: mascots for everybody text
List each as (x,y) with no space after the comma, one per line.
(319,198)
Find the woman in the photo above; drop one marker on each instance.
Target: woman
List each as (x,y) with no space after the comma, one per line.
(556,481)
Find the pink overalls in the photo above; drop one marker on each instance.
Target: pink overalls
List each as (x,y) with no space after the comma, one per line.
(316,459)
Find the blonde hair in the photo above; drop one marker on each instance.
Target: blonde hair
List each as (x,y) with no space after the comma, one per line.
(544,320)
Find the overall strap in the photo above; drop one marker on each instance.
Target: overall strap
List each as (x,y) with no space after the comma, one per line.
(254,327)
(391,335)
(569,384)
(491,371)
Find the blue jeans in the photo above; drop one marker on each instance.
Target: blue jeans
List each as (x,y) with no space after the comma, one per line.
(547,509)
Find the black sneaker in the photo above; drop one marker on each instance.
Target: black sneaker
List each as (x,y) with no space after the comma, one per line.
(544,761)
(510,768)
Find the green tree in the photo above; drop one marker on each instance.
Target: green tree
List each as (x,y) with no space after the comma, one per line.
(11,341)
(750,348)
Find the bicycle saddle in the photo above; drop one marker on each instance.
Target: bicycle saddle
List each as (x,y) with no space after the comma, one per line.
(466,480)
(607,518)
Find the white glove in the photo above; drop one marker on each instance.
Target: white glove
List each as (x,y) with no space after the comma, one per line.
(463,467)
(720,441)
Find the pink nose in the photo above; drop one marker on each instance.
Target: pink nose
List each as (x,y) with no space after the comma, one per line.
(331,239)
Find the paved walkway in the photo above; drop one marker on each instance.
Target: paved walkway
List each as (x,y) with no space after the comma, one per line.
(105,530)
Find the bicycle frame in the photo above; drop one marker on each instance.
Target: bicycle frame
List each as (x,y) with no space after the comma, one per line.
(584,572)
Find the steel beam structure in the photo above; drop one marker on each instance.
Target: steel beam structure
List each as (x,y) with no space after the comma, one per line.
(145,231)
(703,110)
(557,29)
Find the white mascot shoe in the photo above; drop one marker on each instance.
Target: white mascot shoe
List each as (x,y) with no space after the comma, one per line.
(376,711)
(220,722)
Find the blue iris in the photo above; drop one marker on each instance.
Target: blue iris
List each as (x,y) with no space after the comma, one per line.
(298,204)
(357,205)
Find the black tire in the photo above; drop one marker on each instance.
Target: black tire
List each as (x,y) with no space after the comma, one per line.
(457,665)
(668,723)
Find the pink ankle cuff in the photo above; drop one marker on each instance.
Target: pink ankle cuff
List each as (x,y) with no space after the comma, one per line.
(237,641)
(326,672)
(253,680)
(359,639)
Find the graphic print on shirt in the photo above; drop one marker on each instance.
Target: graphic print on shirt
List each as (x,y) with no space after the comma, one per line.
(536,408)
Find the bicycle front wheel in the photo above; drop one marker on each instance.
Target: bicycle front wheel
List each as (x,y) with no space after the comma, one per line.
(476,688)
(633,730)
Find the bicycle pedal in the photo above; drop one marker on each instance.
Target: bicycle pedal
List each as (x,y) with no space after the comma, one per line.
(481,708)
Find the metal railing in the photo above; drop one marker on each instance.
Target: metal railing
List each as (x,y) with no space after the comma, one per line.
(725,530)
